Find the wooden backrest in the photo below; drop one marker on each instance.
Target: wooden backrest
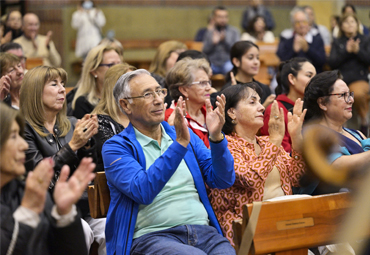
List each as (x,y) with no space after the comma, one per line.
(268,59)
(295,224)
(99,196)
(33,62)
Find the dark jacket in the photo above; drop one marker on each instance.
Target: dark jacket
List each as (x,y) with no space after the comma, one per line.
(315,53)
(46,238)
(82,107)
(353,67)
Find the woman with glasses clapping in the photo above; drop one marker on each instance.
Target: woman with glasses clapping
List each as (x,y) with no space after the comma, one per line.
(189,78)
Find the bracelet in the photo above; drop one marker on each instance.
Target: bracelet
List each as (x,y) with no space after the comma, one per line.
(209,138)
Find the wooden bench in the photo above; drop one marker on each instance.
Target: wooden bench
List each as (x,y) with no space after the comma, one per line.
(99,196)
(34,62)
(292,226)
(268,59)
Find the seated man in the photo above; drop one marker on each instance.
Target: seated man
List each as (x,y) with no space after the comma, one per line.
(301,41)
(156,176)
(35,45)
(218,41)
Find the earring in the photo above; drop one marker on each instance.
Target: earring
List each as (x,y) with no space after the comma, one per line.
(233,121)
(324,109)
(187,99)
(96,76)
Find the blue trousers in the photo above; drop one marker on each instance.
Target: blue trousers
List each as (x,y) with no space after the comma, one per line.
(187,239)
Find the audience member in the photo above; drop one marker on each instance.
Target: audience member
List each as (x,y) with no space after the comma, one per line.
(256,31)
(13,24)
(35,45)
(350,9)
(156,175)
(334,21)
(12,74)
(257,8)
(324,32)
(31,223)
(114,43)
(189,78)
(246,63)
(263,169)
(329,101)
(88,21)
(90,86)
(110,118)
(292,78)
(302,41)
(15,49)
(218,41)
(199,37)
(350,54)
(49,133)
(164,59)
(4,38)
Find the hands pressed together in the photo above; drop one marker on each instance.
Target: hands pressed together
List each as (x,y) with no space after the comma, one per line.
(353,46)
(300,43)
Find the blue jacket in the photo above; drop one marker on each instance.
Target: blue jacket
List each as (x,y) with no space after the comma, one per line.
(131,184)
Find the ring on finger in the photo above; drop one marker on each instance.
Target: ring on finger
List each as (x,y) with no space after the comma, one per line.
(276,117)
(40,180)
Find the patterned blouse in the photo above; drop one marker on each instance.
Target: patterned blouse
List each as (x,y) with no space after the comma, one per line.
(251,172)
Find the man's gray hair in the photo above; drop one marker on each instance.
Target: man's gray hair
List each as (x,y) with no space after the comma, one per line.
(294,11)
(122,87)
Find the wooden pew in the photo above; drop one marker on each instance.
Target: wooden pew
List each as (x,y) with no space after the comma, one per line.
(99,196)
(292,226)
(268,59)
(33,62)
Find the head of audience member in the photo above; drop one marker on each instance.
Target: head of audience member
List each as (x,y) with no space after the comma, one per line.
(15,49)
(141,98)
(310,13)
(334,21)
(256,25)
(166,56)
(244,56)
(12,144)
(327,98)
(96,64)
(243,108)
(87,4)
(14,20)
(114,43)
(189,78)
(107,105)
(47,84)
(12,67)
(293,77)
(349,26)
(300,21)
(220,17)
(193,54)
(31,25)
(348,9)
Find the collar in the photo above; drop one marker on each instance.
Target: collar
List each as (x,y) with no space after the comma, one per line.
(145,140)
(284,98)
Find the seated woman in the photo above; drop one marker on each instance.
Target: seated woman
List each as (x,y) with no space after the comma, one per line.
(12,74)
(189,78)
(165,59)
(329,103)
(110,118)
(350,54)
(244,56)
(292,78)
(256,31)
(49,133)
(90,86)
(30,222)
(263,169)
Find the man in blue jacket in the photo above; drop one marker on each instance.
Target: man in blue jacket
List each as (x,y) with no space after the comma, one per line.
(157,174)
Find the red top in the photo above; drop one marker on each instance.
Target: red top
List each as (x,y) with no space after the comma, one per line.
(287,142)
(197,128)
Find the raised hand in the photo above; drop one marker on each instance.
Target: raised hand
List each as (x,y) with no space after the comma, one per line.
(215,119)
(171,118)
(180,123)
(276,124)
(4,86)
(48,38)
(86,128)
(295,122)
(37,185)
(269,100)
(232,77)
(67,193)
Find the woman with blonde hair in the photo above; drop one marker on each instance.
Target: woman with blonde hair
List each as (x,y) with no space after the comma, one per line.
(50,133)
(90,85)
(110,118)
(164,59)
(189,78)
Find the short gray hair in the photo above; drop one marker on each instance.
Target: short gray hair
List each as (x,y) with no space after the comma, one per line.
(294,11)
(122,87)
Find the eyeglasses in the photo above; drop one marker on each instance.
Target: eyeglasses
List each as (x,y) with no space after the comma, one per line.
(202,83)
(108,65)
(345,95)
(150,94)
